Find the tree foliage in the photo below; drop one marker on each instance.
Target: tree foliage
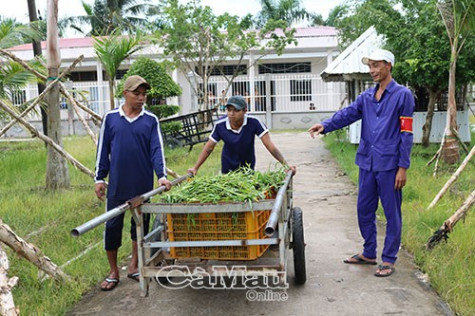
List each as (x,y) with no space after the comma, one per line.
(104,17)
(290,11)
(199,42)
(112,51)
(162,85)
(14,33)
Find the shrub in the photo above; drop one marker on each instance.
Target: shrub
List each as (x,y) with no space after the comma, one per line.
(162,85)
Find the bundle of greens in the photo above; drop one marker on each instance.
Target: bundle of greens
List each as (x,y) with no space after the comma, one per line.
(242,185)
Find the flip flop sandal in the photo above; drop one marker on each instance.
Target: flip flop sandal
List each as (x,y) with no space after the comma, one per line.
(134,276)
(359,260)
(382,268)
(110,281)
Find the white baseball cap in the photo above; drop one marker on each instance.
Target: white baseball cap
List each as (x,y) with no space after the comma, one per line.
(379,54)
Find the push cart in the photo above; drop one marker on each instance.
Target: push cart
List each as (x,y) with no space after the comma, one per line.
(195,128)
(223,241)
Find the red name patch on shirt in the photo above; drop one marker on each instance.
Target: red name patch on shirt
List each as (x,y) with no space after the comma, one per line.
(406,124)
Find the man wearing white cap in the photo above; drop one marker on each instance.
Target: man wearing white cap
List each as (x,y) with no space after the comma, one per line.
(383,156)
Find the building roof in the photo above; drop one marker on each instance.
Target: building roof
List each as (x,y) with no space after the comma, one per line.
(314,31)
(63,43)
(348,64)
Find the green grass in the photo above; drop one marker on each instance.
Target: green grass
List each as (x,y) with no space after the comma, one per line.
(45,219)
(450,265)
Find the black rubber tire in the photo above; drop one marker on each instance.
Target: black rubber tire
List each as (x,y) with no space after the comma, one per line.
(298,246)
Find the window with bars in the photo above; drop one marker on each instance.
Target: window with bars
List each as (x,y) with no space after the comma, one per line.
(300,90)
(285,68)
(18,97)
(227,70)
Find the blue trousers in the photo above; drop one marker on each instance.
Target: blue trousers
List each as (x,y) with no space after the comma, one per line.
(113,230)
(374,186)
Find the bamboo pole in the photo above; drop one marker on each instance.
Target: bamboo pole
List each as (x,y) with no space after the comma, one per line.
(68,96)
(452,179)
(460,213)
(7,305)
(21,62)
(43,94)
(456,134)
(84,123)
(48,140)
(448,226)
(30,252)
(43,77)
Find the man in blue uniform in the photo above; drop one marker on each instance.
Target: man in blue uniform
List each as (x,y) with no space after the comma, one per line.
(383,156)
(238,130)
(130,149)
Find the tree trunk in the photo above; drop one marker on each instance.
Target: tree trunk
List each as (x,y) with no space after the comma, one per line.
(37,52)
(30,252)
(111,93)
(426,129)
(7,305)
(57,172)
(450,152)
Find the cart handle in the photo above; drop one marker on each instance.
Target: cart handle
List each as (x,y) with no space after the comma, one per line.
(274,214)
(134,202)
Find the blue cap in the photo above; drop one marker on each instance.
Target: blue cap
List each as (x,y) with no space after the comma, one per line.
(237,101)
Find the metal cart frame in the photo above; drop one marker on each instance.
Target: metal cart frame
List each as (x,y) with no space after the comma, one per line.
(284,228)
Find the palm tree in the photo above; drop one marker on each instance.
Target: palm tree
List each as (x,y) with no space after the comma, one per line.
(13,33)
(287,10)
(13,77)
(459,20)
(105,16)
(112,51)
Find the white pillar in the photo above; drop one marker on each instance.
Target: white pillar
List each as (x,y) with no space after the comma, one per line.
(251,76)
(100,90)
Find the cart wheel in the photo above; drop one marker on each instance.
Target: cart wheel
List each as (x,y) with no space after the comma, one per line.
(298,246)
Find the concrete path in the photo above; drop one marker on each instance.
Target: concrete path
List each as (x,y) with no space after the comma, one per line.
(328,200)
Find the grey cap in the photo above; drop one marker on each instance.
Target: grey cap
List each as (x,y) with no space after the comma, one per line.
(133,82)
(237,101)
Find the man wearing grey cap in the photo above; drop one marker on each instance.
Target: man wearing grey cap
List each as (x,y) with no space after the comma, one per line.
(129,150)
(383,156)
(238,130)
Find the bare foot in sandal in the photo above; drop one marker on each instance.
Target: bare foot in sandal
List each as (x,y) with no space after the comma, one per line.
(385,269)
(360,259)
(110,282)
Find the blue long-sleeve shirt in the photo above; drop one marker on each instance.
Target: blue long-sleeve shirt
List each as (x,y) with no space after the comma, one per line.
(383,145)
(129,151)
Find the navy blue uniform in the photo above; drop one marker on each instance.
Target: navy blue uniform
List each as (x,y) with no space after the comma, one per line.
(129,151)
(384,147)
(238,149)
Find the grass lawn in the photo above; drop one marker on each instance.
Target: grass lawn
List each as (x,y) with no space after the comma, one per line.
(45,219)
(450,265)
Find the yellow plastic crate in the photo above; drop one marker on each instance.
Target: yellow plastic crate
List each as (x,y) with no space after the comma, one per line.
(218,226)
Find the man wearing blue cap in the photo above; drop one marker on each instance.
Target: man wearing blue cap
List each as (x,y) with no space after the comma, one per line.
(383,156)
(238,130)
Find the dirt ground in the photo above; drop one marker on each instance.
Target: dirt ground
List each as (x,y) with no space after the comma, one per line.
(328,200)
